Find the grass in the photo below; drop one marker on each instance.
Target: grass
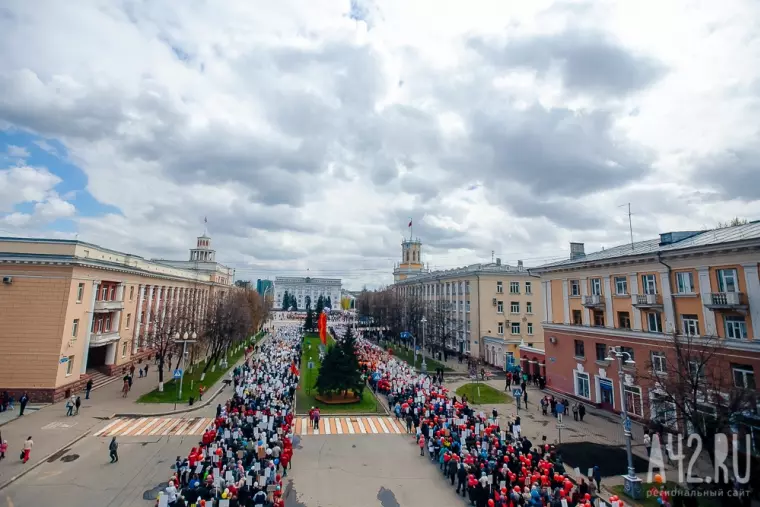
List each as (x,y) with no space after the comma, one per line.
(487,395)
(408,355)
(368,404)
(192,379)
(651,501)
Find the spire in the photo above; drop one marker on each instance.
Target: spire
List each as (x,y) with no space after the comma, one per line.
(205,226)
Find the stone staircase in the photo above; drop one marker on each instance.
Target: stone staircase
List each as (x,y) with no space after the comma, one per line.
(100,379)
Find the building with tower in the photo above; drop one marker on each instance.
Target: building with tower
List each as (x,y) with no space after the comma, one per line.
(71,311)
(411,260)
(303,287)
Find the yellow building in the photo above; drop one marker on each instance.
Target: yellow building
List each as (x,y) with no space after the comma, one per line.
(411,260)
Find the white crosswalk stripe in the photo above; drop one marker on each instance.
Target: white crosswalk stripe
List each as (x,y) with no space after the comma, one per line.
(372,425)
(155,426)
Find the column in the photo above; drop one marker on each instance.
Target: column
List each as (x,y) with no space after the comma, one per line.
(634,282)
(91,315)
(566,301)
(705,288)
(138,320)
(670,324)
(111,349)
(610,320)
(120,292)
(159,308)
(753,297)
(584,293)
(172,303)
(149,307)
(547,291)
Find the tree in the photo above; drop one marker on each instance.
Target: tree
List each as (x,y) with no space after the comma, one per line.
(308,324)
(732,223)
(226,323)
(307,302)
(293,302)
(164,328)
(695,388)
(320,304)
(329,302)
(340,371)
(259,307)
(286,301)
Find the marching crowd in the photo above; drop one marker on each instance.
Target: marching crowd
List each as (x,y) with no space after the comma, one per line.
(248,449)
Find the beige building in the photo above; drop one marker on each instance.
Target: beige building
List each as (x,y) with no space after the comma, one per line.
(494,307)
(70,309)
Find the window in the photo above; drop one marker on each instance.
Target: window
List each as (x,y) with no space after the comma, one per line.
(621,285)
(627,354)
(727,280)
(624,320)
(124,349)
(107,324)
(690,325)
(528,307)
(500,328)
(75,328)
(103,293)
(514,307)
(596,286)
(500,307)
(736,327)
(112,293)
(499,288)
(528,288)
(649,283)
(696,370)
(577,320)
(580,350)
(685,282)
(80,292)
(575,288)
(601,351)
(598,318)
(129,321)
(744,376)
(467,287)
(515,328)
(530,328)
(468,325)
(654,324)
(658,362)
(467,305)
(514,287)
(582,385)
(131,292)
(633,400)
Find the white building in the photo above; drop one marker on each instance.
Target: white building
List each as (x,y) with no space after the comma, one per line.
(203,260)
(302,287)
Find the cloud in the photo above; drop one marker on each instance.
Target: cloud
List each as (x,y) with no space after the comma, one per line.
(17,152)
(24,184)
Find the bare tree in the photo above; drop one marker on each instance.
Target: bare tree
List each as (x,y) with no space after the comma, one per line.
(227,322)
(162,330)
(259,307)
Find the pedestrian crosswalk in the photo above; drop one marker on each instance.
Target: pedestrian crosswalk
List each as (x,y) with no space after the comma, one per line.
(349,425)
(155,426)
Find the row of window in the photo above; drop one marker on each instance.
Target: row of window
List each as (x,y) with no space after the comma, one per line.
(734,326)
(100,324)
(108,292)
(514,288)
(514,307)
(514,328)
(728,281)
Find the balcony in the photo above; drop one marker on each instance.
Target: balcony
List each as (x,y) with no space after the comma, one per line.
(100,339)
(647,301)
(108,306)
(593,301)
(725,301)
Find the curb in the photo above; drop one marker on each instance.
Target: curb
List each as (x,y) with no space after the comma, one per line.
(205,403)
(43,460)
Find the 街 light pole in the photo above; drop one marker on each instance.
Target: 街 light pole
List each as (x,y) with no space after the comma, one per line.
(423,366)
(186,338)
(632,484)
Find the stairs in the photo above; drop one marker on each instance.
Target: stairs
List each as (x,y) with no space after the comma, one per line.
(100,379)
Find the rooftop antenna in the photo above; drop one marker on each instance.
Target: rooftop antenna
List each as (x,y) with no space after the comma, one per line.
(492,253)
(630,222)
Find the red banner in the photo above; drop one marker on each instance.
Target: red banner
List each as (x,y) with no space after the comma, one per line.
(322,324)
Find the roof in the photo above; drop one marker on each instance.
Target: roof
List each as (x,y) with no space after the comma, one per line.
(472,269)
(712,237)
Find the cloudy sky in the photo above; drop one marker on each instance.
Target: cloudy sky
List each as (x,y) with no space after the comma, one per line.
(310,131)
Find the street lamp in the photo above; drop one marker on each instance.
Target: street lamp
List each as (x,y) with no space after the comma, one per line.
(423,366)
(632,484)
(186,338)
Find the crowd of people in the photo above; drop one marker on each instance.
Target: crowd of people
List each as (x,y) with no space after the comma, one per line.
(484,456)
(248,449)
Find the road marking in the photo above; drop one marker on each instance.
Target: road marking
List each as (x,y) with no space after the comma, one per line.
(148,426)
(97,434)
(382,425)
(327,426)
(361,425)
(392,424)
(338,427)
(371,424)
(160,427)
(202,422)
(350,426)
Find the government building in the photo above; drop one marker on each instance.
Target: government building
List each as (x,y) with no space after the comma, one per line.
(71,310)
(311,287)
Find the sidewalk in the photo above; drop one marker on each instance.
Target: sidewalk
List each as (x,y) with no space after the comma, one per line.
(51,430)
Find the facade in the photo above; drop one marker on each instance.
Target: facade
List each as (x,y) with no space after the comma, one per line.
(642,296)
(203,260)
(411,261)
(70,308)
(264,286)
(302,287)
(493,307)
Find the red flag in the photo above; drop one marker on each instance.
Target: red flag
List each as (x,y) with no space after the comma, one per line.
(323,328)
(293,368)
(410,222)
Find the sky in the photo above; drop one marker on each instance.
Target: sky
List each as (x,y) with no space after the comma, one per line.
(310,132)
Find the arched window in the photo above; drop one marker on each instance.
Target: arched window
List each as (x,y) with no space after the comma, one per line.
(407,256)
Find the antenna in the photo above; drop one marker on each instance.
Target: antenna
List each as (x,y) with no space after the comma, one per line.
(492,254)
(630,222)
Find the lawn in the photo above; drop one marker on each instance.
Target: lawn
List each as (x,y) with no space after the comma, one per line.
(306,392)
(191,381)
(408,355)
(483,394)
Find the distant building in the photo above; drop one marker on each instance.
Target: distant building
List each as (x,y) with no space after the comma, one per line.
(203,260)
(243,284)
(302,287)
(264,286)
(411,261)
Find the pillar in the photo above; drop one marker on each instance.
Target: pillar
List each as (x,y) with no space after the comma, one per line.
(634,282)
(584,293)
(705,288)
(548,315)
(610,319)
(138,318)
(91,315)
(149,307)
(566,301)
(753,297)
(671,324)
(111,349)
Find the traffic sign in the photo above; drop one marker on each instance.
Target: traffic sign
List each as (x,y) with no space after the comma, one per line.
(627,424)
(310,365)
(517,393)
(560,426)
(177,373)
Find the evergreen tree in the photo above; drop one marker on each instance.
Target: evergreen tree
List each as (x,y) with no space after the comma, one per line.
(294,302)
(340,371)
(307,302)
(309,323)
(351,373)
(320,304)
(329,302)
(327,378)
(285,301)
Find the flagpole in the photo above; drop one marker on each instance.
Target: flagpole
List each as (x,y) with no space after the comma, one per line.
(411,228)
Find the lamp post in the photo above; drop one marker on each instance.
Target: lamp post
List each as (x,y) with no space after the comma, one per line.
(632,484)
(423,366)
(186,338)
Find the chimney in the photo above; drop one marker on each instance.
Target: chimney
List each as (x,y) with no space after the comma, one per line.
(519,265)
(577,251)
(498,261)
